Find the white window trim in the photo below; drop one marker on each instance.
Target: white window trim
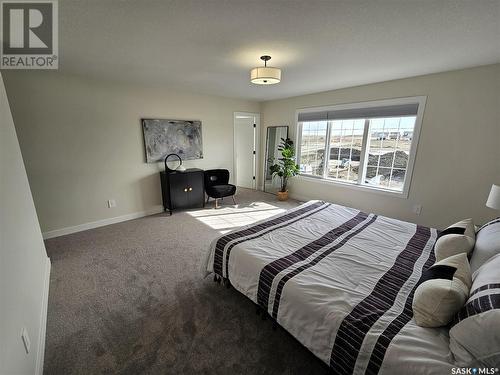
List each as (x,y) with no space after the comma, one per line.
(421,100)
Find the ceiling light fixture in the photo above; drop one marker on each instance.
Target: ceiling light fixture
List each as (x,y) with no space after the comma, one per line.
(265,75)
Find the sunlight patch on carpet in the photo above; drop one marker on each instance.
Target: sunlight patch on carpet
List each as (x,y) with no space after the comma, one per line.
(230,217)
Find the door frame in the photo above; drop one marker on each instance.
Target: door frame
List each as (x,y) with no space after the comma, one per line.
(256,116)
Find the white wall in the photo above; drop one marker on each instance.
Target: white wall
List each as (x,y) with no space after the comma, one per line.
(458,155)
(24,266)
(82,142)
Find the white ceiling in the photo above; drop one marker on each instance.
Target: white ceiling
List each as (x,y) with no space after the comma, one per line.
(209,46)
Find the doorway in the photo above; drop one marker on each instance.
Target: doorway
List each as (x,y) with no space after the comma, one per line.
(246,146)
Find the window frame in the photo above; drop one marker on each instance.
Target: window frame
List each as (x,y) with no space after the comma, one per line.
(420,100)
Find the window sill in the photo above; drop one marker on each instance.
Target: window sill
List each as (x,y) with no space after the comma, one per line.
(366,188)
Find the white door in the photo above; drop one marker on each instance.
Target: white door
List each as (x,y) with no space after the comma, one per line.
(246,130)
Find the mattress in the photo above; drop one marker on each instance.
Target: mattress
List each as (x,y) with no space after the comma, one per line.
(341,281)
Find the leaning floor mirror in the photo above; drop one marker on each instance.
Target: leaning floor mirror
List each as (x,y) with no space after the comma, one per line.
(274,135)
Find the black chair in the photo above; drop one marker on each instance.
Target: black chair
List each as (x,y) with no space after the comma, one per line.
(217,186)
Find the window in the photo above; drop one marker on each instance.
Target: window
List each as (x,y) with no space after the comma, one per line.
(312,148)
(369,145)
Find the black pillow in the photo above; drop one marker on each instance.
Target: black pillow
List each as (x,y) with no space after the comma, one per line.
(439,271)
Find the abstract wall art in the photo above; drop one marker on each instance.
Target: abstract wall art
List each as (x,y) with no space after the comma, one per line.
(163,137)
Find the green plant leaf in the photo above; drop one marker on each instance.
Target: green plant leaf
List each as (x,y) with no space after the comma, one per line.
(286,166)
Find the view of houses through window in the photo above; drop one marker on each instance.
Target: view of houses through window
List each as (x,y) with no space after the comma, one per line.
(338,150)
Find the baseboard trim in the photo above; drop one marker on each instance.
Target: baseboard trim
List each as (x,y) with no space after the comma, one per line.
(101,223)
(43,319)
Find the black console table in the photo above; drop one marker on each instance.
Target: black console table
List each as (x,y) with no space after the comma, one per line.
(182,189)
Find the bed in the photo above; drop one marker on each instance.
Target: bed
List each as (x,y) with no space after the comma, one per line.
(341,282)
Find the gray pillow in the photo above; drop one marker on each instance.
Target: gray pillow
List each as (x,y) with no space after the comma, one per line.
(487,244)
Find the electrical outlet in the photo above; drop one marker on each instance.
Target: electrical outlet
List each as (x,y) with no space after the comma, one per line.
(417,209)
(111,203)
(26,340)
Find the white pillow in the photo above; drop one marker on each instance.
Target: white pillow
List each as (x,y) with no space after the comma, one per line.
(475,335)
(487,244)
(443,291)
(457,238)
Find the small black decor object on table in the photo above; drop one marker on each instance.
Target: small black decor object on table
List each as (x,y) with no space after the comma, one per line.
(181,188)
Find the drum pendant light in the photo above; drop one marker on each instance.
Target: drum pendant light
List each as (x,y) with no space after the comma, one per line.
(265,75)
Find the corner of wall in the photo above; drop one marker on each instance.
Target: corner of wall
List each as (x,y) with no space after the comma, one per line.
(43,319)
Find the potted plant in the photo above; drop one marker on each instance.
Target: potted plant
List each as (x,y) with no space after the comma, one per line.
(286,167)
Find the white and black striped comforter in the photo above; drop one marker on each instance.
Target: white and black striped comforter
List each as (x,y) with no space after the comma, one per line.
(341,282)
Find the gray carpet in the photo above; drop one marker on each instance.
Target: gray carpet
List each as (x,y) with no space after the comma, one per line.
(129,299)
